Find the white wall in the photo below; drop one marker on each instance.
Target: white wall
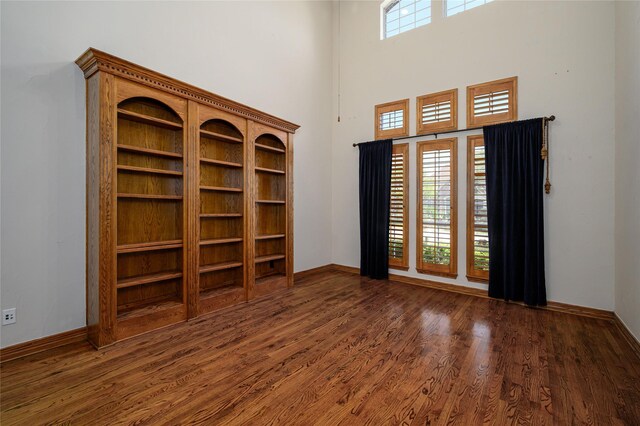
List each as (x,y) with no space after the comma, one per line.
(563,55)
(628,164)
(272,56)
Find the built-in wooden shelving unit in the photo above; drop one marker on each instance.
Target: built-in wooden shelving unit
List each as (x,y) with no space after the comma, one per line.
(150,208)
(188,200)
(222,202)
(272,224)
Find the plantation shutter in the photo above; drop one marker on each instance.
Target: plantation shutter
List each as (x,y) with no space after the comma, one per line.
(437,112)
(492,102)
(437,215)
(477,225)
(398,220)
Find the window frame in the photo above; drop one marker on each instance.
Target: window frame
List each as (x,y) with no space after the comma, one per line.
(380,109)
(473,274)
(445,9)
(387,5)
(451,270)
(432,98)
(403,263)
(510,84)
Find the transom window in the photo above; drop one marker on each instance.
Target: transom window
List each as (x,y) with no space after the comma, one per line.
(493,102)
(391,119)
(437,112)
(456,6)
(399,16)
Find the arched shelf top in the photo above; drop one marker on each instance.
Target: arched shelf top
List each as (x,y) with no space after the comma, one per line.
(271,140)
(222,127)
(150,107)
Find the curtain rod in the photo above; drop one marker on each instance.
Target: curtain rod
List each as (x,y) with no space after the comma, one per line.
(550,118)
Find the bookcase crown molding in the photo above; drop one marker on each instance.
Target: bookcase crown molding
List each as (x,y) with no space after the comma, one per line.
(94,60)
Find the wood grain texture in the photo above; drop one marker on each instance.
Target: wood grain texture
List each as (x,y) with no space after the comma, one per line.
(290,213)
(341,349)
(46,343)
(629,337)
(108,227)
(129,89)
(192,179)
(250,209)
(93,200)
(470,291)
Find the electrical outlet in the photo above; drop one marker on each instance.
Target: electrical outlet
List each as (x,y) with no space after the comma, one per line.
(8,316)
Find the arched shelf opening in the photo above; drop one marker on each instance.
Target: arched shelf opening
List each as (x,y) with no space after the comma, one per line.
(270,209)
(149,207)
(220,127)
(269,142)
(150,108)
(221,245)
(147,127)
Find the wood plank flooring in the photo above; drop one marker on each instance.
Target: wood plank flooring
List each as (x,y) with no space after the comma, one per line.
(338,349)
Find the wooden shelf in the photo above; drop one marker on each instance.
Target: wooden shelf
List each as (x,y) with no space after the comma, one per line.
(148,279)
(270,201)
(149,151)
(220,137)
(268,258)
(151,196)
(220,162)
(220,188)
(149,307)
(270,237)
(269,148)
(212,292)
(158,245)
(223,215)
(265,170)
(219,266)
(220,241)
(141,118)
(149,170)
(267,278)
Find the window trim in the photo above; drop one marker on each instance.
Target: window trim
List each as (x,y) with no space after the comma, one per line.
(474,275)
(510,84)
(431,98)
(403,264)
(450,271)
(379,109)
(445,8)
(387,5)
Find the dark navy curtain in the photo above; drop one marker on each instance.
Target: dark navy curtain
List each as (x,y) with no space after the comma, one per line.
(375,196)
(515,173)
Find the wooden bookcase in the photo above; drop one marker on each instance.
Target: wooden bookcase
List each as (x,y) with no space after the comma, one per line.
(189,200)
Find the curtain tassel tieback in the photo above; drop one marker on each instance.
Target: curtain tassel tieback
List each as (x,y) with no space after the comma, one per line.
(545,152)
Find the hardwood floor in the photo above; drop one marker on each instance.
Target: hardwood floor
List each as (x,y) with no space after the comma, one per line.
(337,349)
